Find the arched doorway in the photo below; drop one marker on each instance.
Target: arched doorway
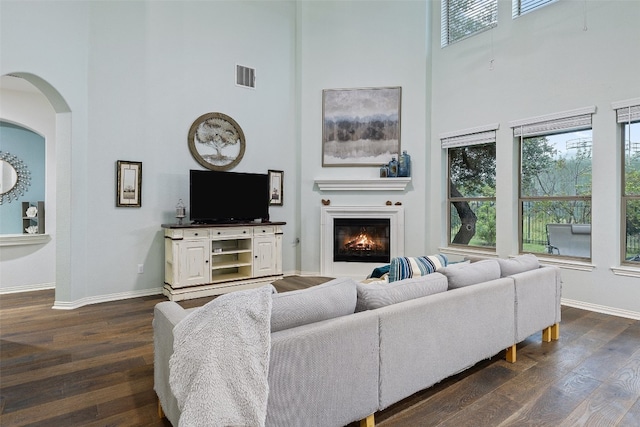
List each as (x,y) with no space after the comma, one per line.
(59,173)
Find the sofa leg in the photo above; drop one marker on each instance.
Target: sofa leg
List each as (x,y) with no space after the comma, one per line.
(160,411)
(546,334)
(368,422)
(555,332)
(511,354)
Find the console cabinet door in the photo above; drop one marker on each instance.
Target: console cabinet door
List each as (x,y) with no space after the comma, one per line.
(194,263)
(264,255)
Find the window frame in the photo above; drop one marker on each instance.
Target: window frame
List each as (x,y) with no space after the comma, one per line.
(481,135)
(624,197)
(445,22)
(548,125)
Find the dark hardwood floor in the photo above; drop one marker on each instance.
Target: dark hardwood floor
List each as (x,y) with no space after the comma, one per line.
(93,366)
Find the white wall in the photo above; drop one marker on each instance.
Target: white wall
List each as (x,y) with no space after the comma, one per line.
(544,62)
(19,272)
(360,44)
(135,76)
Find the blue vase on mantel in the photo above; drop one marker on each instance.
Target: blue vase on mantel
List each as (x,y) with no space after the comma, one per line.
(404,165)
(393,168)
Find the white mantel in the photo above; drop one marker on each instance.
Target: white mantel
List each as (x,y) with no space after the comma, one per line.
(357,270)
(362,184)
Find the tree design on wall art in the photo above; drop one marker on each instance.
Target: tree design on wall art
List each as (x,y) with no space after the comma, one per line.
(216,141)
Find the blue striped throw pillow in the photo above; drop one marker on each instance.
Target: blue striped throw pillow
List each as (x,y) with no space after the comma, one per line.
(406,267)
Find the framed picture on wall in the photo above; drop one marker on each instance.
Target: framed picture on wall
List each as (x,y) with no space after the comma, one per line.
(360,127)
(276,187)
(129,184)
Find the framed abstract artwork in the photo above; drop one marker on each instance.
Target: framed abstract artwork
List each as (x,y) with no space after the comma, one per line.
(360,127)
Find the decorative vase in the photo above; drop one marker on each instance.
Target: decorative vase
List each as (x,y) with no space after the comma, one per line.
(393,168)
(404,165)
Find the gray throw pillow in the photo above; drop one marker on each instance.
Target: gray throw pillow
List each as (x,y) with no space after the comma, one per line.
(460,275)
(296,308)
(519,264)
(376,295)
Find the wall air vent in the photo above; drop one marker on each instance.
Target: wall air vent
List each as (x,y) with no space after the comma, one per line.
(245,76)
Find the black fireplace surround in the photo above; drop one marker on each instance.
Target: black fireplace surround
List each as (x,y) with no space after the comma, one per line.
(361,240)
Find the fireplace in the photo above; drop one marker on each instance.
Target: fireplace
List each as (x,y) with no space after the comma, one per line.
(361,240)
(360,259)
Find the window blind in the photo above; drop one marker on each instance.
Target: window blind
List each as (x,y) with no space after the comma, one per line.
(475,136)
(520,7)
(554,123)
(628,114)
(462,18)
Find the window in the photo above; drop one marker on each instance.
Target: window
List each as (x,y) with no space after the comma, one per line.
(555,184)
(471,200)
(629,118)
(520,7)
(463,18)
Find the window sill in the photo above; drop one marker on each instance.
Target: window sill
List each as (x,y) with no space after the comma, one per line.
(626,270)
(468,252)
(23,239)
(569,264)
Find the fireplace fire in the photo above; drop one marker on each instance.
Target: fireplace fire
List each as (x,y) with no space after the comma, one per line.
(361,240)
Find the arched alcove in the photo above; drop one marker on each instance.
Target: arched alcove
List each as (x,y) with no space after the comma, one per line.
(59,169)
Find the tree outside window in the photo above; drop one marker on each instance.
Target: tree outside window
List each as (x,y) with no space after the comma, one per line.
(555,188)
(472,195)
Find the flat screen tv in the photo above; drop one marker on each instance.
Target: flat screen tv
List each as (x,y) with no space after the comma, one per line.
(223,197)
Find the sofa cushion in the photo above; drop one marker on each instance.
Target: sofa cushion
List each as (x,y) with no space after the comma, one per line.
(326,301)
(376,295)
(519,264)
(406,267)
(460,275)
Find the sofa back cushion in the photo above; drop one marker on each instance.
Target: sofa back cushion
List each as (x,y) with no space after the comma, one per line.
(518,264)
(326,301)
(376,295)
(461,275)
(407,267)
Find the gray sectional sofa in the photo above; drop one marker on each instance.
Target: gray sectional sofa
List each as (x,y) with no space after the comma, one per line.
(343,350)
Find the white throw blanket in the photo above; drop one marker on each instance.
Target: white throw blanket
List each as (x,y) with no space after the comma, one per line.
(220,361)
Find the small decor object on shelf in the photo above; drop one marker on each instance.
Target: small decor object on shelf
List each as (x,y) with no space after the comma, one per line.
(276,187)
(404,164)
(180,211)
(216,141)
(326,202)
(129,184)
(393,168)
(384,171)
(33,217)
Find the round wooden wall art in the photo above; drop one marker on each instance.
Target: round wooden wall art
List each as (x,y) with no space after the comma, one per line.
(216,141)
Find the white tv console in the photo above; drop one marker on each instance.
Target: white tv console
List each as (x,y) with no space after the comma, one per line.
(205,260)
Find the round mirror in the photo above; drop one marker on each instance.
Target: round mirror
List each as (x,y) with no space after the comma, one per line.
(8,177)
(15,177)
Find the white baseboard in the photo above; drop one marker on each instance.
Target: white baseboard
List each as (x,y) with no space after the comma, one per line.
(601,309)
(64,305)
(27,288)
